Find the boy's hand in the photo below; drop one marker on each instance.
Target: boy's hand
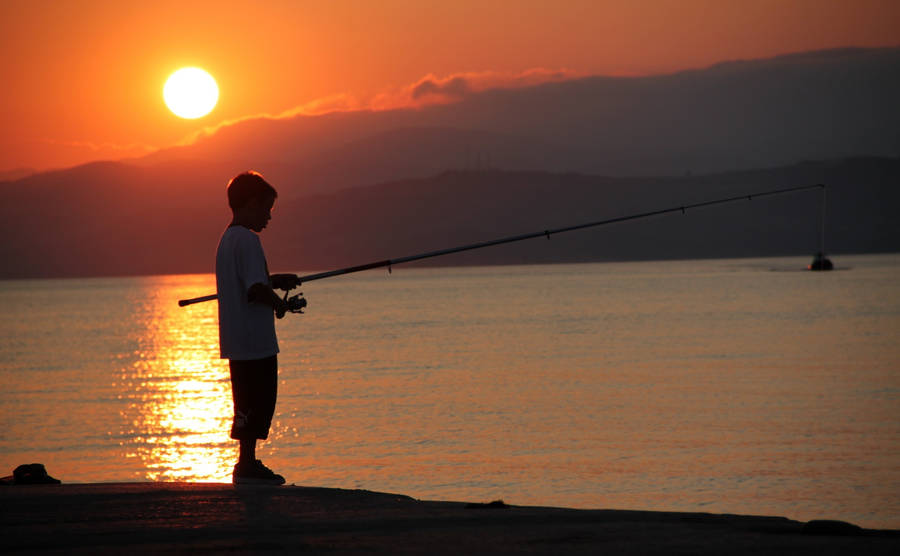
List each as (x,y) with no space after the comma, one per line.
(284,282)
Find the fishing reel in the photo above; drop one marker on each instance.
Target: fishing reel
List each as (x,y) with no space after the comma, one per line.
(295,304)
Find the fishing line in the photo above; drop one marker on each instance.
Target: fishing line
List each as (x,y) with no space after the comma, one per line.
(543,233)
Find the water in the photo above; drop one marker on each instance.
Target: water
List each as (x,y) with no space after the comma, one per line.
(738,386)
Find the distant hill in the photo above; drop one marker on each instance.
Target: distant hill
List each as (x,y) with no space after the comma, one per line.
(120,219)
(734,115)
(16,173)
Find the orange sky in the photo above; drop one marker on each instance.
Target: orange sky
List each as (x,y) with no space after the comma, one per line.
(83,79)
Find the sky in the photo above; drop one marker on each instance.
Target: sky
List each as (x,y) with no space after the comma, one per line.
(84,78)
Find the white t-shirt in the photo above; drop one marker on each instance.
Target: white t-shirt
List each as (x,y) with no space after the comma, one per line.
(246,330)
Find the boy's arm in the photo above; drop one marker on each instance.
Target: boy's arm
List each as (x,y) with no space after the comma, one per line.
(284,282)
(263,293)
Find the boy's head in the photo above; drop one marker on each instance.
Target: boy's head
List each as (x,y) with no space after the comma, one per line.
(251,199)
(245,187)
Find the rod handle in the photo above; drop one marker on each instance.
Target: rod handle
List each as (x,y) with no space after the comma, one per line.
(186,302)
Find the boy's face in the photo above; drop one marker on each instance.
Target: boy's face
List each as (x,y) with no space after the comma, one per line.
(259,212)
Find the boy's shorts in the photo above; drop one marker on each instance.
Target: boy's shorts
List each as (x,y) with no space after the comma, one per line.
(254,387)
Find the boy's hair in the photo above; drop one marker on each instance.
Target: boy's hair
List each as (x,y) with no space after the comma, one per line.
(247,186)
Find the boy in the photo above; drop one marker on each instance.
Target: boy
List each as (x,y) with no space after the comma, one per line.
(247,305)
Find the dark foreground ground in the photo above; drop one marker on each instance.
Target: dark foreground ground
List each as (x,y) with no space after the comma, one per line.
(198,518)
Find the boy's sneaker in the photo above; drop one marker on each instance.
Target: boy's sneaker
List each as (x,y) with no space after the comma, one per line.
(255,473)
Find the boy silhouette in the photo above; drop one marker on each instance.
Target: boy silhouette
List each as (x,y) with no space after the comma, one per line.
(247,309)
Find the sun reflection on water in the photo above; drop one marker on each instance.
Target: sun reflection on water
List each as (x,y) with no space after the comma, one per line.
(179,397)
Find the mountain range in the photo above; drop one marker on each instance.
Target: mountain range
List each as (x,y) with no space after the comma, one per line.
(88,222)
(734,115)
(362,185)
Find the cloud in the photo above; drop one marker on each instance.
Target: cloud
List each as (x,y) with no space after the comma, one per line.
(432,89)
(429,90)
(319,106)
(455,87)
(101,147)
(325,105)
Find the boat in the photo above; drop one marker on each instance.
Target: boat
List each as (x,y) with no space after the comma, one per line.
(821,262)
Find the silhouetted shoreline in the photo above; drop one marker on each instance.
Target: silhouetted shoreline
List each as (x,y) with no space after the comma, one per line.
(191,517)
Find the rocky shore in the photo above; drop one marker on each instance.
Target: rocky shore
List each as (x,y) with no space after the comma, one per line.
(213,518)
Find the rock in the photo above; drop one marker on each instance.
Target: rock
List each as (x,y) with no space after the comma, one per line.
(33,474)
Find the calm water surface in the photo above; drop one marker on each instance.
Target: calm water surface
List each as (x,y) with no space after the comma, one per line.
(739,386)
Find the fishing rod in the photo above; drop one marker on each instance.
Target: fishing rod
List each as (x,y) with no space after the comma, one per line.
(544,233)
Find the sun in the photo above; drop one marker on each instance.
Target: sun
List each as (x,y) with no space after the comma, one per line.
(191,93)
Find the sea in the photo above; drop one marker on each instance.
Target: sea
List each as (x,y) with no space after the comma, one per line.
(745,386)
